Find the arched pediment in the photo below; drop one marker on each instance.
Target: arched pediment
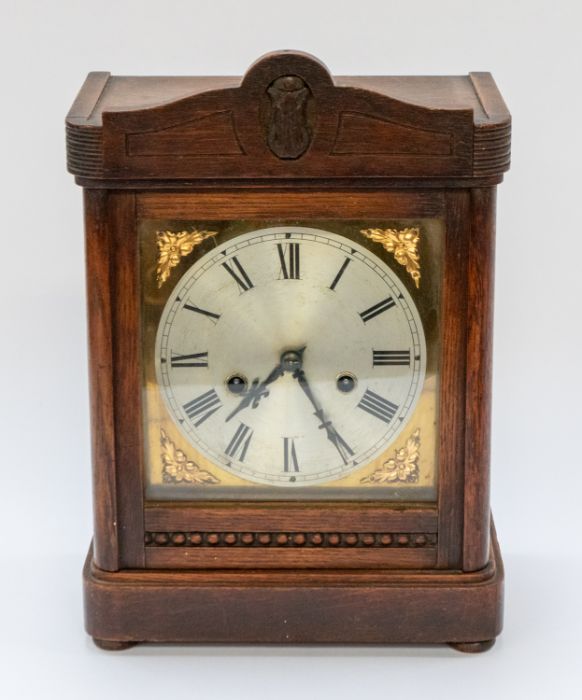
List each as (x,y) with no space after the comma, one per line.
(285,119)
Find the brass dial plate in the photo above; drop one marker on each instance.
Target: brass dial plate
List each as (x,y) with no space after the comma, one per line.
(397,459)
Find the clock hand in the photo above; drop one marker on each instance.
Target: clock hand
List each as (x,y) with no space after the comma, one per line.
(333,436)
(290,361)
(258,390)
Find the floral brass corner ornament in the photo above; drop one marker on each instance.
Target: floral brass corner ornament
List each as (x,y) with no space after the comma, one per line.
(403,467)
(177,468)
(172,247)
(402,243)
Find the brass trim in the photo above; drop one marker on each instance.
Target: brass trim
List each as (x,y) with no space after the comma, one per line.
(402,467)
(178,468)
(172,247)
(402,243)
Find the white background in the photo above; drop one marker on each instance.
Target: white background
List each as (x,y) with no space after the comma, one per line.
(533,50)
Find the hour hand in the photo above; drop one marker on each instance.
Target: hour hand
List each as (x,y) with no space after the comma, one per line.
(252,395)
(257,391)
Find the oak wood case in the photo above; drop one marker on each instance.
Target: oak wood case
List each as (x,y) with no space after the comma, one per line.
(209,148)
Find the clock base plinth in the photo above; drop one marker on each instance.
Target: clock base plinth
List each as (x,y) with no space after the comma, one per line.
(304,606)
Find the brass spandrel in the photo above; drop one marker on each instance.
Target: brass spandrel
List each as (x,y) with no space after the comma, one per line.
(172,246)
(402,467)
(402,243)
(177,468)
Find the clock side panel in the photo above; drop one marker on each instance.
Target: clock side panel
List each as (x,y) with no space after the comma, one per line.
(100,345)
(477,516)
(114,335)
(464,519)
(453,381)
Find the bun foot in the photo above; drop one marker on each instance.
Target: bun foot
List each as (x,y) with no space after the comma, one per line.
(472,647)
(112,645)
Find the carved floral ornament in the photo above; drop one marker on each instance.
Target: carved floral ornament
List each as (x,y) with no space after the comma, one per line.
(172,247)
(403,244)
(403,467)
(177,468)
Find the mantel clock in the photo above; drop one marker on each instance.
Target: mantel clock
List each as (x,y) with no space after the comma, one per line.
(289,284)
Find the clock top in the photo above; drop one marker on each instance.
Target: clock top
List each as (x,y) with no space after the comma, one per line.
(288,119)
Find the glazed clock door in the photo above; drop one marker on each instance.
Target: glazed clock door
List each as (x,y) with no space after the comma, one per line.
(292,376)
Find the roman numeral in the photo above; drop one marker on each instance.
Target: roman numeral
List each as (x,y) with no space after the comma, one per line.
(390,357)
(198,359)
(377,406)
(290,462)
(239,276)
(240,442)
(214,317)
(202,407)
(289,257)
(377,309)
(341,271)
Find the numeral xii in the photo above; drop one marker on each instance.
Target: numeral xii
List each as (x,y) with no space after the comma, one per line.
(289,259)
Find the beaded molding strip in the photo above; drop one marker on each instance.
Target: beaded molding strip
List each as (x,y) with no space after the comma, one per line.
(289,539)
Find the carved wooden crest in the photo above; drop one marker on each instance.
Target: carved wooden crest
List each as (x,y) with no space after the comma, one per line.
(288,133)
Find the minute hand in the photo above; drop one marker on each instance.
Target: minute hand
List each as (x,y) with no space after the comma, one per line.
(333,436)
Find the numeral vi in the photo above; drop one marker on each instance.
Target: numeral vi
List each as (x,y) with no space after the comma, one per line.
(290,462)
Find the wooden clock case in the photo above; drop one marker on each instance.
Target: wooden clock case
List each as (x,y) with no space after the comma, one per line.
(289,141)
